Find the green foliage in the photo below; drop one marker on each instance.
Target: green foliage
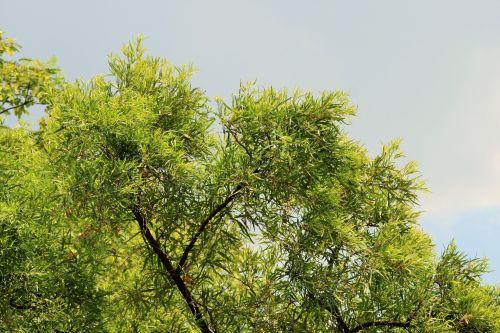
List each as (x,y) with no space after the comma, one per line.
(24,82)
(138,208)
(44,286)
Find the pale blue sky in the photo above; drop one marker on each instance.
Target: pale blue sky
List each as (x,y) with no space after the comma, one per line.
(424,71)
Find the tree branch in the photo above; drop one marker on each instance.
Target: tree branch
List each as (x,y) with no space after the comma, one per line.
(333,310)
(210,217)
(240,144)
(21,306)
(26,102)
(386,323)
(205,223)
(336,314)
(173,273)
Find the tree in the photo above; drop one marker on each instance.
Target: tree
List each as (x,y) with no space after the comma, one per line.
(25,82)
(260,215)
(43,287)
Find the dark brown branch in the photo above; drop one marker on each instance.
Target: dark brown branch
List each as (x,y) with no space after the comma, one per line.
(173,273)
(389,323)
(210,217)
(240,144)
(21,306)
(26,102)
(205,223)
(333,310)
(386,323)
(336,314)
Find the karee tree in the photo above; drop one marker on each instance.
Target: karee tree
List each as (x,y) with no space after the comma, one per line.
(43,287)
(257,214)
(24,82)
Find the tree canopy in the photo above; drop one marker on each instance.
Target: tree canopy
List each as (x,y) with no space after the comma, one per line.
(141,206)
(24,82)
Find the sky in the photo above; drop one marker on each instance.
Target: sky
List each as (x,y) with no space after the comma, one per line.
(426,72)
